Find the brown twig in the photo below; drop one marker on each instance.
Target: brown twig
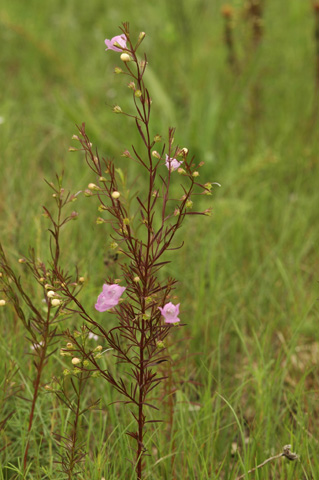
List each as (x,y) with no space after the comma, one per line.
(285,453)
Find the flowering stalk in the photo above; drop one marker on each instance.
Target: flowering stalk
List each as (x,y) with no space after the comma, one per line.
(145,314)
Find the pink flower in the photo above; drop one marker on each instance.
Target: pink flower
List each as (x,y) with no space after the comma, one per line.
(109,297)
(120,39)
(171,163)
(170,313)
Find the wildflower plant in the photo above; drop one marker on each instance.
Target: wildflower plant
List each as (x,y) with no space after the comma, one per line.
(143,309)
(141,299)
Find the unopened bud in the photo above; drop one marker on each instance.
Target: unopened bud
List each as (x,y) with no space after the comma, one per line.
(56,302)
(2,303)
(21,260)
(115,195)
(101,208)
(74,215)
(126,153)
(51,294)
(76,361)
(160,344)
(92,186)
(136,279)
(131,85)
(117,109)
(88,193)
(99,348)
(195,174)
(157,138)
(99,221)
(181,171)
(113,245)
(118,70)
(176,212)
(125,57)
(102,179)
(155,154)
(141,37)
(82,279)
(138,93)
(72,149)
(69,345)
(208,212)
(189,204)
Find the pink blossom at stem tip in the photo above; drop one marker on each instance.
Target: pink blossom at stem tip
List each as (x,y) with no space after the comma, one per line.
(119,39)
(171,163)
(109,297)
(170,312)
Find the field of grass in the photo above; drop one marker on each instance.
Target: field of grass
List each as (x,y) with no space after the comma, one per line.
(246,373)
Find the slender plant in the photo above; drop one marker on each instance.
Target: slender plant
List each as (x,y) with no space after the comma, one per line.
(40,320)
(146,316)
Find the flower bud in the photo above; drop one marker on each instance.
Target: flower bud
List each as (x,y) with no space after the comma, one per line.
(141,37)
(126,154)
(76,361)
(189,204)
(66,372)
(157,138)
(2,302)
(69,345)
(88,193)
(99,221)
(117,109)
(125,57)
(131,85)
(155,154)
(136,279)
(113,245)
(99,348)
(138,93)
(118,70)
(51,294)
(75,137)
(21,260)
(92,186)
(115,195)
(181,171)
(160,344)
(101,208)
(102,179)
(195,174)
(56,302)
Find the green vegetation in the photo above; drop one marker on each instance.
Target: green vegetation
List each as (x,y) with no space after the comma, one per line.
(246,368)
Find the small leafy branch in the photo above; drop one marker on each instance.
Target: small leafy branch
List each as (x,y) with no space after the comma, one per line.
(70,392)
(40,321)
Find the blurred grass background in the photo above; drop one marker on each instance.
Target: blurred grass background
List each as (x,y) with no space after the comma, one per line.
(248,275)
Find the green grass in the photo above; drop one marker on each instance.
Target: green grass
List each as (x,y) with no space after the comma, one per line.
(248,276)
